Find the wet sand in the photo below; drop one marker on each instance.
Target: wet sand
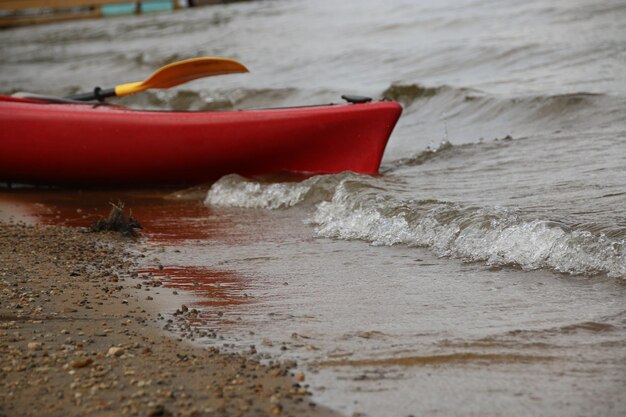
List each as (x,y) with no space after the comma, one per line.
(78,337)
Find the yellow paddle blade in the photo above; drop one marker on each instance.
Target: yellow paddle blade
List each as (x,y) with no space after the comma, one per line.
(181,72)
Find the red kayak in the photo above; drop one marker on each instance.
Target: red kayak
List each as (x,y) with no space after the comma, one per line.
(87,144)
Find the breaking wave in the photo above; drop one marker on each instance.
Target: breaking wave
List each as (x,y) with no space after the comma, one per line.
(349,206)
(236,191)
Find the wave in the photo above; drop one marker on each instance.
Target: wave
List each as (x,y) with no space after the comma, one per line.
(497,236)
(190,100)
(419,158)
(474,108)
(349,206)
(408,93)
(236,191)
(470,113)
(179,100)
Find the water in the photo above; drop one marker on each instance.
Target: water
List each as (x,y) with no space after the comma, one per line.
(481,274)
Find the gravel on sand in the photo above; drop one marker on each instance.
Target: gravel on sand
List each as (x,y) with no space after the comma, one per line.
(74,341)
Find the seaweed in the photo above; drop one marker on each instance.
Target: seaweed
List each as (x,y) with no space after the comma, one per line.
(117,221)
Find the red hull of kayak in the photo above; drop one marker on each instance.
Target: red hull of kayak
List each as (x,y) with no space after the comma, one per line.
(83,144)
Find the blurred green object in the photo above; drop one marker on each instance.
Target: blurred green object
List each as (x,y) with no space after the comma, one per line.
(131,8)
(156,6)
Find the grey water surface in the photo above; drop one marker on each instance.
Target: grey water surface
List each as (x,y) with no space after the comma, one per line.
(483,273)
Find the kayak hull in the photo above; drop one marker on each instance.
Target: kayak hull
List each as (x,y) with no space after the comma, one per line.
(86,144)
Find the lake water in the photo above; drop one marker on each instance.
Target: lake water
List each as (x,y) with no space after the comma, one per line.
(483,273)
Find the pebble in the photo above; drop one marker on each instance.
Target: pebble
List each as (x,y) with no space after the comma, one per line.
(115,351)
(82,363)
(34,346)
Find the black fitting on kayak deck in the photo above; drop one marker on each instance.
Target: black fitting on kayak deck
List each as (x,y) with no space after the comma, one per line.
(98,93)
(356,99)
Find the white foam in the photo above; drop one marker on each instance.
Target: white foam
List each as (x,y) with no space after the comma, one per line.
(497,236)
(349,206)
(235,191)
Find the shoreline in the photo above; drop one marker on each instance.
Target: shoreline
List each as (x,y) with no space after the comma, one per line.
(78,338)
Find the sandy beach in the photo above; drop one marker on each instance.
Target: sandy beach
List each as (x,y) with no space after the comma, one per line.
(78,338)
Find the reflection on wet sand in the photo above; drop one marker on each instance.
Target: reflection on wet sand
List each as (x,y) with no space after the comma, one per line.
(210,296)
(208,287)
